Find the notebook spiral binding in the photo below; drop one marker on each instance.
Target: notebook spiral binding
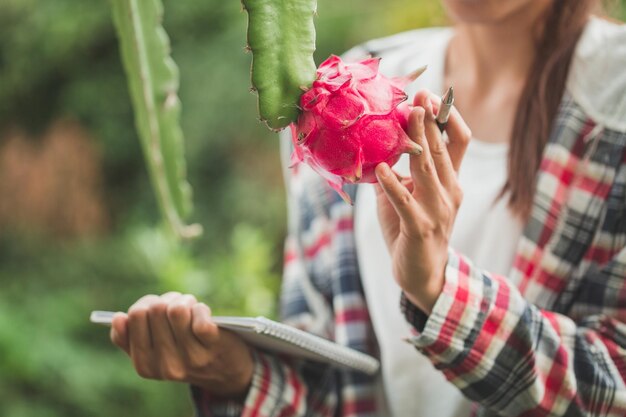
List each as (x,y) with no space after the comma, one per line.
(349,357)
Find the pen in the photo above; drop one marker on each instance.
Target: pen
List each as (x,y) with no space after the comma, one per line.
(444,110)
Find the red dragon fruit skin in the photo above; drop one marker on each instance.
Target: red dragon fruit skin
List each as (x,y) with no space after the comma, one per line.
(353,118)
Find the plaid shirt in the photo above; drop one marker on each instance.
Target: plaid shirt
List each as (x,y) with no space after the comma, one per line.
(548,340)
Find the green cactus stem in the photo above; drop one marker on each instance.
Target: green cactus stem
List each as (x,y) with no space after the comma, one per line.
(153,83)
(281,36)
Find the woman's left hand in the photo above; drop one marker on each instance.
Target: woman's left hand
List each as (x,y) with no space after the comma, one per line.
(417,213)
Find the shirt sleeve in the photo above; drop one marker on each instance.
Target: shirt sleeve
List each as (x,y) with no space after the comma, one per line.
(516,359)
(278,388)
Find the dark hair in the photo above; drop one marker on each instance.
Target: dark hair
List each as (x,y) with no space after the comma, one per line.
(538,106)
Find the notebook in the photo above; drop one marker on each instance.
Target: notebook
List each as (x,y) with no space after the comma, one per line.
(280,338)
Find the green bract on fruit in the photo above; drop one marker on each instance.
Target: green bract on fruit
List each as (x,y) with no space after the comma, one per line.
(353,118)
(281,36)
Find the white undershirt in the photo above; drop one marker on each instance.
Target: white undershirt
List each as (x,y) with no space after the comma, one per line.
(485,232)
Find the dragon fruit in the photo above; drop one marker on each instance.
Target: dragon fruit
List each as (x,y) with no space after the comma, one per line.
(352,119)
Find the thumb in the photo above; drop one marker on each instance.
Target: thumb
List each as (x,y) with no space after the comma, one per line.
(119,331)
(202,326)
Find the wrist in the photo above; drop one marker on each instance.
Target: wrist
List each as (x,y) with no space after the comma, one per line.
(425,296)
(233,385)
(236,391)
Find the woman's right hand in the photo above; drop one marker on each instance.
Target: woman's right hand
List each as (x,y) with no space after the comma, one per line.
(171,337)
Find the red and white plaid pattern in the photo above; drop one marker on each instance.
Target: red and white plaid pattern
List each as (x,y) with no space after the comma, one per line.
(548,340)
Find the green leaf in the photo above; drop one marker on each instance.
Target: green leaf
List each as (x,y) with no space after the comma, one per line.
(153,83)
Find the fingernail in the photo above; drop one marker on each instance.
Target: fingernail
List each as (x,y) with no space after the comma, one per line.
(383,171)
(428,106)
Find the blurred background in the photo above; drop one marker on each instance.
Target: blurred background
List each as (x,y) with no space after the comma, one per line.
(79,226)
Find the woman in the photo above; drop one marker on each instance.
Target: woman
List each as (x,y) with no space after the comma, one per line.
(524,315)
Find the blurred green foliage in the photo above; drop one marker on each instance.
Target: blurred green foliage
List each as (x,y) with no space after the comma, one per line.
(60,58)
